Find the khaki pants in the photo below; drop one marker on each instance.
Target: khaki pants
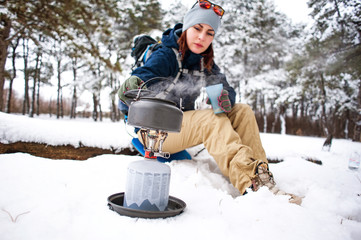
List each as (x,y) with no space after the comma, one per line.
(232,139)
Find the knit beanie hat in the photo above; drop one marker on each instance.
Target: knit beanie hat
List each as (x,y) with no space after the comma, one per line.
(198,15)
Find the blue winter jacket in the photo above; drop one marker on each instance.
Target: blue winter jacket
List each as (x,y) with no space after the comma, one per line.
(163,63)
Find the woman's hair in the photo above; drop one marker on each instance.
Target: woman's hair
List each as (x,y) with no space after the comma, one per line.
(207,55)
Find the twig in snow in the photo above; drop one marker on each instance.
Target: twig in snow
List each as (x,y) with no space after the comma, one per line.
(274,160)
(313,160)
(195,155)
(16,218)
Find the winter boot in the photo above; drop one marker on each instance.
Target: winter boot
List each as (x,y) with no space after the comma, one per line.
(265,178)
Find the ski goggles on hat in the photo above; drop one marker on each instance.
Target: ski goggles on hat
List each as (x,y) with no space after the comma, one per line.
(207,5)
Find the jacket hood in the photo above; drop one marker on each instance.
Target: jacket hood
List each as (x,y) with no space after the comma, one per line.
(170,38)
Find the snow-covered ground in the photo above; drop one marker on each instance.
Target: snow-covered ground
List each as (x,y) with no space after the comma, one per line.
(65,199)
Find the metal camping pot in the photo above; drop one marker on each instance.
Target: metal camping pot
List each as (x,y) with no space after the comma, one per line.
(155,114)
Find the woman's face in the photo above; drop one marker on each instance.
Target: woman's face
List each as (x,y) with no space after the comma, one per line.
(199,37)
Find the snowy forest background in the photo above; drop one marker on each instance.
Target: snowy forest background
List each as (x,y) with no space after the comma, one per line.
(299,79)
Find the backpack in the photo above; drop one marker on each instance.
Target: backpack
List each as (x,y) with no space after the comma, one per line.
(143,46)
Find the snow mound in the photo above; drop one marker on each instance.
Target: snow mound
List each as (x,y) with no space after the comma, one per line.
(65,199)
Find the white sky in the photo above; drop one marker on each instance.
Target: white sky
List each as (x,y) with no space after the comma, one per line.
(297,10)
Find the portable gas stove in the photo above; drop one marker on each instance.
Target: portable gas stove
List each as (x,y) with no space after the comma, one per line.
(155,117)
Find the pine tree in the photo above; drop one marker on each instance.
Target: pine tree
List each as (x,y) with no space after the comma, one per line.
(256,38)
(174,14)
(144,15)
(336,41)
(252,46)
(230,41)
(80,23)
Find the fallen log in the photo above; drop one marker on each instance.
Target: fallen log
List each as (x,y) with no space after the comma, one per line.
(60,152)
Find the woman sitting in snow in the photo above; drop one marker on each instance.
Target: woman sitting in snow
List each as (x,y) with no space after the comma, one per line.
(232,137)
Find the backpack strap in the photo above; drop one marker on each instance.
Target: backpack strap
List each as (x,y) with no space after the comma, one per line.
(173,83)
(150,50)
(180,71)
(197,73)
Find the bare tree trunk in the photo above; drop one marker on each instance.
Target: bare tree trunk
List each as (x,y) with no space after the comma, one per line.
(265,123)
(38,96)
(283,123)
(32,104)
(302,106)
(96,95)
(114,114)
(58,99)
(100,112)
(323,106)
(264,113)
(283,119)
(74,103)
(36,80)
(74,97)
(26,104)
(38,74)
(61,104)
(13,58)
(357,128)
(294,110)
(4,43)
(345,131)
(95,107)
(277,116)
